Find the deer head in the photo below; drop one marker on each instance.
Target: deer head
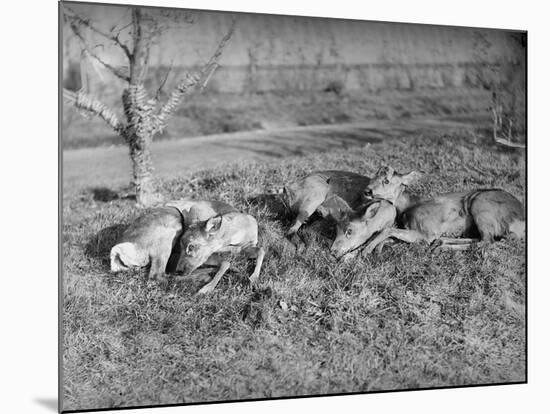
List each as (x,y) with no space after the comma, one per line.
(199,242)
(357,227)
(387,184)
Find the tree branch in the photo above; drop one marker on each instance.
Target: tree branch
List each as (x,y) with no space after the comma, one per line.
(508,143)
(87,103)
(117,72)
(86,22)
(192,79)
(163,82)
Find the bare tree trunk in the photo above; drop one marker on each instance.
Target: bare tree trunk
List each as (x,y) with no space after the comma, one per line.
(139,136)
(143,170)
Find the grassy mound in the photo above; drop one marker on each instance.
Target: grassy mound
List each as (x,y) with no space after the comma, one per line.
(405,319)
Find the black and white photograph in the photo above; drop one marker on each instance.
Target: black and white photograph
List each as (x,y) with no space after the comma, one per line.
(261,206)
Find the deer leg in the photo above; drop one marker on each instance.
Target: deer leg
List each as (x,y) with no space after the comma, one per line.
(463,246)
(300,219)
(198,275)
(307,207)
(255,253)
(160,257)
(210,286)
(292,233)
(450,243)
(296,242)
(126,255)
(380,246)
(452,240)
(202,274)
(409,236)
(158,266)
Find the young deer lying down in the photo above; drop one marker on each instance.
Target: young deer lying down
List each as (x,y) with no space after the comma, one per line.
(155,236)
(206,242)
(455,220)
(308,195)
(150,239)
(355,227)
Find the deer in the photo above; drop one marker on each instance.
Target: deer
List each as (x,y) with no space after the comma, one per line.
(206,242)
(323,192)
(453,220)
(154,238)
(355,227)
(149,240)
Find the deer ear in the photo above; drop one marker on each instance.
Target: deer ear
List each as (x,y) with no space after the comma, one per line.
(411,177)
(213,224)
(371,211)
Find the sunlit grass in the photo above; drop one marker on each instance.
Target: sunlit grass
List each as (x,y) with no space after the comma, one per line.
(407,318)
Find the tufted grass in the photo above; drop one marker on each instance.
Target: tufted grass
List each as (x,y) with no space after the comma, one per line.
(409,318)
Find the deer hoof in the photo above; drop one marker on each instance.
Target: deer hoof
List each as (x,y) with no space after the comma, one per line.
(205,290)
(164,285)
(297,242)
(162,281)
(366,252)
(379,248)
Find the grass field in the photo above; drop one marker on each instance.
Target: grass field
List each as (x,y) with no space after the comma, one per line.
(405,319)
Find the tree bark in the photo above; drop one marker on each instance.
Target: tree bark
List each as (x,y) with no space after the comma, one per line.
(143,170)
(139,136)
(139,111)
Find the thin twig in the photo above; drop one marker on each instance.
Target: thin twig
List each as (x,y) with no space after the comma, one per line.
(213,61)
(205,81)
(508,143)
(86,22)
(114,71)
(190,80)
(163,82)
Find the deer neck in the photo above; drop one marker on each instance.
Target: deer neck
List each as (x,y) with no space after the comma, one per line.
(405,200)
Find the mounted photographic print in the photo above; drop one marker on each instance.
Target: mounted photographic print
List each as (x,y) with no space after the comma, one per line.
(267,206)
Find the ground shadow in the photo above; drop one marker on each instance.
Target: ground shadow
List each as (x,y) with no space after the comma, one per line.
(273,203)
(254,311)
(49,403)
(105,195)
(319,230)
(174,259)
(99,246)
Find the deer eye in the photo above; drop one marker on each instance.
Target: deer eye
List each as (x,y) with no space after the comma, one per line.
(190,248)
(385,181)
(349,232)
